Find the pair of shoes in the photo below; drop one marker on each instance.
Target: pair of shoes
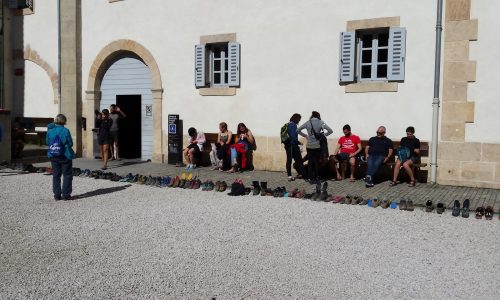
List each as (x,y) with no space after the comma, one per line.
(67,198)
(369,184)
(57,198)
(406,204)
(412,183)
(393,183)
(465,208)
(290,178)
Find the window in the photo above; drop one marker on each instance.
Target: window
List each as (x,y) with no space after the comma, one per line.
(217,65)
(372,55)
(26,6)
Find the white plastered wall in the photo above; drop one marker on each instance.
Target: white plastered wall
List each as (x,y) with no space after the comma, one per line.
(38,93)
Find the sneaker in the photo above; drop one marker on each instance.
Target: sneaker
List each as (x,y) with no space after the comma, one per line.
(440,208)
(369,184)
(429,207)
(57,198)
(456,208)
(402,204)
(67,198)
(465,208)
(479,212)
(409,205)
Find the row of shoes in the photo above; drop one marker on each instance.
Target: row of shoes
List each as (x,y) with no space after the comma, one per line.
(187,181)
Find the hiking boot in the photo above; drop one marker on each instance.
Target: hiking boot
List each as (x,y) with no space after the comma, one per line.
(440,208)
(465,208)
(409,205)
(429,207)
(256,188)
(479,212)
(456,208)
(263,188)
(385,203)
(402,204)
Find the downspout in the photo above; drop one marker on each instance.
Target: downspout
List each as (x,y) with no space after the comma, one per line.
(435,100)
(59,55)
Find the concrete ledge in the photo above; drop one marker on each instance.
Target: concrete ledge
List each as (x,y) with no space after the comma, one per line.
(229,91)
(218,38)
(372,87)
(373,23)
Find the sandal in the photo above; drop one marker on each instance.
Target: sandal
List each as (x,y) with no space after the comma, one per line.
(488,213)
(479,212)
(393,183)
(352,180)
(412,183)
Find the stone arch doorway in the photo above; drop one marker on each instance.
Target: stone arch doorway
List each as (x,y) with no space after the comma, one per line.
(106,57)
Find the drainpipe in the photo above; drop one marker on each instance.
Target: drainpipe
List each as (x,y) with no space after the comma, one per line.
(435,100)
(59,55)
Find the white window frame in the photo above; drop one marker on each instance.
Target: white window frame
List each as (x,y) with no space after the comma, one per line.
(374,63)
(224,64)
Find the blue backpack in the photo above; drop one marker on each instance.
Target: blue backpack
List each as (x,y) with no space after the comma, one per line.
(56,149)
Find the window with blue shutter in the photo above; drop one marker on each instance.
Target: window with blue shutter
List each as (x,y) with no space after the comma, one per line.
(346,62)
(234,64)
(397,52)
(199,65)
(372,55)
(217,65)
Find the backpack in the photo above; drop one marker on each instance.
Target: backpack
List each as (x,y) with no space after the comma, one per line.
(285,137)
(56,148)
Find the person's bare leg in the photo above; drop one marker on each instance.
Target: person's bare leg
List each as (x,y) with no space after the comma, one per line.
(115,150)
(186,156)
(101,147)
(106,156)
(191,156)
(352,164)
(397,166)
(408,168)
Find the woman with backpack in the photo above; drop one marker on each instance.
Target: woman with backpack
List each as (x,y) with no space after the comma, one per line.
(61,157)
(289,137)
(316,143)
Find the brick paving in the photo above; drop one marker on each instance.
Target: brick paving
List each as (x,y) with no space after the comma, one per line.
(419,194)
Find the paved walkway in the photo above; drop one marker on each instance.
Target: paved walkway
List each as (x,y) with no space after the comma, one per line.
(419,194)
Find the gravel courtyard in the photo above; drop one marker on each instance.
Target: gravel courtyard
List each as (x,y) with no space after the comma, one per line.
(127,241)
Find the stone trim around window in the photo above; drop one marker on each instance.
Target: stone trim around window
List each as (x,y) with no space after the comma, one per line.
(360,87)
(212,39)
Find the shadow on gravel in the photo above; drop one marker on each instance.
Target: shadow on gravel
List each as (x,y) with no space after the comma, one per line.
(101,192)
(128,163)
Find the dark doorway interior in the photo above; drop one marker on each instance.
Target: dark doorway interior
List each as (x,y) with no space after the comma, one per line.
(129,138)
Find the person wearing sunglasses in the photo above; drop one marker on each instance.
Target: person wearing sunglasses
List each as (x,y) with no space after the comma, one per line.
(378,151)
(408,154)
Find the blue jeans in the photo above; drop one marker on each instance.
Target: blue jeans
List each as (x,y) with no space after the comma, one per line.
(64,167)
(373,164)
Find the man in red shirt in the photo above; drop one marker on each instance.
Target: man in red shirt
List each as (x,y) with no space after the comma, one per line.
(347,148)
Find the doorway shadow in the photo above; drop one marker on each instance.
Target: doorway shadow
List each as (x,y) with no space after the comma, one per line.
(101,192)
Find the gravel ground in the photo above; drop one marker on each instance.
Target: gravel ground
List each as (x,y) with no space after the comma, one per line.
(127,241)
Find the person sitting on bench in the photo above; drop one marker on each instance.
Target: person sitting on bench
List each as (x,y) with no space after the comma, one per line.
(193,151)
(378,151)
(243,142)
(408,154)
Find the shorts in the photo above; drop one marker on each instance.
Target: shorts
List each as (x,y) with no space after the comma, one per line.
(195,147)
(105,140)
(413,159)
(342,156)
(114,136)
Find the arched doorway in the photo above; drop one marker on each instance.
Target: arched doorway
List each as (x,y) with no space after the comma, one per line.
(104,61)
(127,83)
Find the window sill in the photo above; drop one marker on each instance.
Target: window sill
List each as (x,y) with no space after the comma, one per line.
(371,87)
(225,91)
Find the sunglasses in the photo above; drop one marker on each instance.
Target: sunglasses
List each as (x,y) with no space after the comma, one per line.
(380,132)
(409,133)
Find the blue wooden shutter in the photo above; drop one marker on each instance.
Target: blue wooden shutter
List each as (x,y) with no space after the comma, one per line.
(234,64)
(199,65)
(346,63)
(397,54)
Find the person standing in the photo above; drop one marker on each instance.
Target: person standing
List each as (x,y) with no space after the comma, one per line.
(347,148)
(104,139)
(408,154)
(61,157)
(315,139)
(378,151)
(292,148)
(115,114)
